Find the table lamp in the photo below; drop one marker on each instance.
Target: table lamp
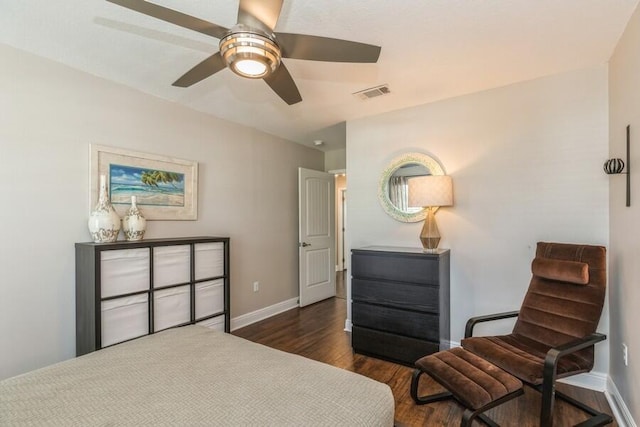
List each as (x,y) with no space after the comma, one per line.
(430,192)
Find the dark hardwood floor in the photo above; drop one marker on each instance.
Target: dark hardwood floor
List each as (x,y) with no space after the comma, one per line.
(317,332)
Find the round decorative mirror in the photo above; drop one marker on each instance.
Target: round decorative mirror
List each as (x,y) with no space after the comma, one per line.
(393,186)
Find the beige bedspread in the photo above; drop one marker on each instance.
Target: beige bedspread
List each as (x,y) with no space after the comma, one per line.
(193,376)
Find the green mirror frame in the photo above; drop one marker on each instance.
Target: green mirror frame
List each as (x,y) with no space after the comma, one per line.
(393,211)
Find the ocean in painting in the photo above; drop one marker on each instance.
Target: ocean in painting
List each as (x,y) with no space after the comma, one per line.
(151,187)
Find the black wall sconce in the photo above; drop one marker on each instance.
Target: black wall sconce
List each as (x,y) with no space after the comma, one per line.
(616,166)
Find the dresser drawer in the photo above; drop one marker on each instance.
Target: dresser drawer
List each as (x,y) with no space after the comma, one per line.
(402,295)
(386,266)
(403,322)
(393,347)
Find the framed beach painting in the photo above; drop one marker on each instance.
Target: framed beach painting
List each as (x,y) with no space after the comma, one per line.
(166,188)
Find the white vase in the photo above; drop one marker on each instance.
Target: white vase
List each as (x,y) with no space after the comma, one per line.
(104,222)
(134,224)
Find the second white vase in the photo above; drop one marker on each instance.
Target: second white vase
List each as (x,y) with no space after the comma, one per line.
(134,223)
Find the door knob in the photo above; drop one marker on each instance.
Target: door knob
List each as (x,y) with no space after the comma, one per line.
(305,244)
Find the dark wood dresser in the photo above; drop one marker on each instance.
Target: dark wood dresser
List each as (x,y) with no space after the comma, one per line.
(400,302)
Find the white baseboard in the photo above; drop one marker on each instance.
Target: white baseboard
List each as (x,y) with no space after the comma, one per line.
(596,381)
(347,325)
(263,313)
(618,406)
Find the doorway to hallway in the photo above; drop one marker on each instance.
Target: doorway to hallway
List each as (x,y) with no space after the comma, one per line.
(341,284)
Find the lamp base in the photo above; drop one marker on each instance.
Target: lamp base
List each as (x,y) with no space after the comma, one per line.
(430,235)
(431,251)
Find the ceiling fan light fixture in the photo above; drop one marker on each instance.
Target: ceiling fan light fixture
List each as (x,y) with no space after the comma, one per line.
(250,67)
(250,54)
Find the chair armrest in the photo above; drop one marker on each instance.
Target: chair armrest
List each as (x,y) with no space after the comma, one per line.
(471,323)
(549,373)
(554,354)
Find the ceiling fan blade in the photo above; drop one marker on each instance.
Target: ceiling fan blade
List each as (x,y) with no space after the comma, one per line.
(315,48)
(262,14)
(206,68)
(173,17)
(282,83)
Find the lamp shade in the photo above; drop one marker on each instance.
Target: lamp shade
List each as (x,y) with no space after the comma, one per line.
(430,190)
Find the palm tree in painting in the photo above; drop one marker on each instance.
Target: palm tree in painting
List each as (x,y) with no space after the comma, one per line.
(153,178)
(148,179)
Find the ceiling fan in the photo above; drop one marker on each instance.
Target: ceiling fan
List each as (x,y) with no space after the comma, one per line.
(253,50)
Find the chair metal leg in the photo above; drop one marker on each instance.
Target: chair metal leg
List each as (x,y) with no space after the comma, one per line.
(468,416)
(549,374)
(421,400)
(548,400)
(488,421)
(597,418)
(548,387)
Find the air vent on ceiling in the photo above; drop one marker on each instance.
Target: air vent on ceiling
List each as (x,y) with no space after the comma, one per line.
(372,92)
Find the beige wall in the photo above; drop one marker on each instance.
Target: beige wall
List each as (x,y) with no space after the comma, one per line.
(335,160)
(624,272)
(49,114)
(526,162)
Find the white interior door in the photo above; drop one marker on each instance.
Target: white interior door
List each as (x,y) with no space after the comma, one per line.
(316,246)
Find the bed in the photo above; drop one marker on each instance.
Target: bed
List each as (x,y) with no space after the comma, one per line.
(194,376)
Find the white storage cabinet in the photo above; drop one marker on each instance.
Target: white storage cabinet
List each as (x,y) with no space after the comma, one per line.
(125,290)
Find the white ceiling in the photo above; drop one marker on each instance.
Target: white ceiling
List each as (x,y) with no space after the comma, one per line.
(431,50)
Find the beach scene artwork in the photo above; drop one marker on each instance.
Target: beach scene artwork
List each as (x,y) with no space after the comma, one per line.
(166,188)
(151,187)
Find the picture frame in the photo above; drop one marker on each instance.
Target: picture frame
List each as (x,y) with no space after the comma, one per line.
(166,188)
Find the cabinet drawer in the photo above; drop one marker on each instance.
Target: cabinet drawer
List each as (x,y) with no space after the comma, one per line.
(408,323)
(124,319)
(385,266)
(389,346)
(171,307)
(404,295)
(124,271)
(209,260)
(171,265)
(209,298)
(216,323)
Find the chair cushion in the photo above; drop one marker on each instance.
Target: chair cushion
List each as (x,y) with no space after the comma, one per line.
(472,380)
(560,270)
(523,357)
(554,312)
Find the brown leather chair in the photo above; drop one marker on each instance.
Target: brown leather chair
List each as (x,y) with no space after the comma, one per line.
(555,332)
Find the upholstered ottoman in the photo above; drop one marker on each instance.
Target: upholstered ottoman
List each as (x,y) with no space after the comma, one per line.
(475,383)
